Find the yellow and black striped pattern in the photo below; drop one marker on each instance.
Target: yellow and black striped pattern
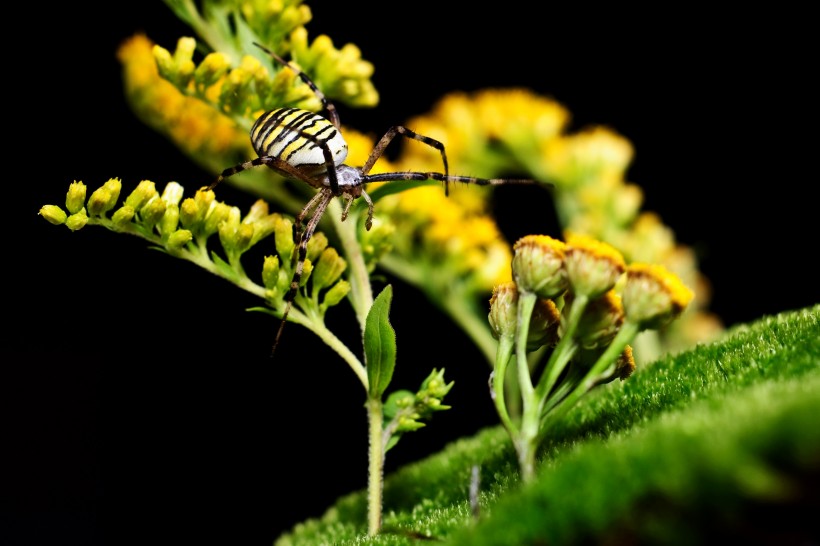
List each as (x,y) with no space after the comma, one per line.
(296,136)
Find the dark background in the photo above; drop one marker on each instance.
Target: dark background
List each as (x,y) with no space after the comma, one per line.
(140,402)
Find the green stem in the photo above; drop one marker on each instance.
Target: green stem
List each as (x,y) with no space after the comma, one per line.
(503,355)
(525,443)
(564,350)
(375,466)
(624,336)
(361,292)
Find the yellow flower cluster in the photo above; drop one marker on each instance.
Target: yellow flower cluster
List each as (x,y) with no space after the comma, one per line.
(496,132)
(200,131)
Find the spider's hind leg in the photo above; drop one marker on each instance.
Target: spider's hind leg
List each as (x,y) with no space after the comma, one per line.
(320,201)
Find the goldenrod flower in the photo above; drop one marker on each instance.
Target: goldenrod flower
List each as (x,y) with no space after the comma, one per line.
(653,296)
(593,154)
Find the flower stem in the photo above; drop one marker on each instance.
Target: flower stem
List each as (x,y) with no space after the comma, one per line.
(375,466)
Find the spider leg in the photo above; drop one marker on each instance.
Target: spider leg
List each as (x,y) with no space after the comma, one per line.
(369,222)
(283,167)
(446,178)
(405,132)
(321,201)
(329,107)
(297,221)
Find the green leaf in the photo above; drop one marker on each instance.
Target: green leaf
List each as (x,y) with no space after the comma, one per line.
(380,344)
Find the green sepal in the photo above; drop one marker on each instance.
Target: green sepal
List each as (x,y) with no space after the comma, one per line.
(379,344)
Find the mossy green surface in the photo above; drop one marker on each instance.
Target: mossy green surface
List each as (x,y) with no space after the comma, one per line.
(715,444)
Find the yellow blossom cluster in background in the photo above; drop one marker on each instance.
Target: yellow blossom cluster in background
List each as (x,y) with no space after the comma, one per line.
(206,108)
(495,132)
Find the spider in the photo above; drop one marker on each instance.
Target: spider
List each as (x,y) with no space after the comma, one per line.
(305,146)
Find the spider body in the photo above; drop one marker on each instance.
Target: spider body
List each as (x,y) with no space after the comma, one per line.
(305,146)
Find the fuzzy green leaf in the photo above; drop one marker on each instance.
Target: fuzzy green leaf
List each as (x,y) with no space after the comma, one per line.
(380,344)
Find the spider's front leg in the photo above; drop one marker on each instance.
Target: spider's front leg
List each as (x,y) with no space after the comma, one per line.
(405,132)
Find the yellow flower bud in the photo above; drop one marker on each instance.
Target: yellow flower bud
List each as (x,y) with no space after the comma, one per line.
(593,267)
(75,198)
(538,266)
(76,221)
(270,272)
(653,296)
(152,211)
(328,269)
(178,239)
(53,214)
(144,192)
(336,293)
(123,216)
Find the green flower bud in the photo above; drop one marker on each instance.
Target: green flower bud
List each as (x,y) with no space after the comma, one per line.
(270,272)
(178,239)
(503,315)
(538,266)
(593,267)
(601,320)
(653,296)
(76,221)
(336,293)
(75,198)
(544,323)
(328,269)
(53,214)
(123,215)
(144,192)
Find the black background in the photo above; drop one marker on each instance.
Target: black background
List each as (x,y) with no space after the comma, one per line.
(140,405)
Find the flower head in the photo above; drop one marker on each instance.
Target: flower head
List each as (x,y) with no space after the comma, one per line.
(593,267)
(538,265)
(653,296)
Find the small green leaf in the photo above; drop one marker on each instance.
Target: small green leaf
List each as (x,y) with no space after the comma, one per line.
(380,344)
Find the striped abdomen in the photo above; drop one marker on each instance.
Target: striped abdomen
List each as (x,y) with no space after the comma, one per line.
(282,133)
